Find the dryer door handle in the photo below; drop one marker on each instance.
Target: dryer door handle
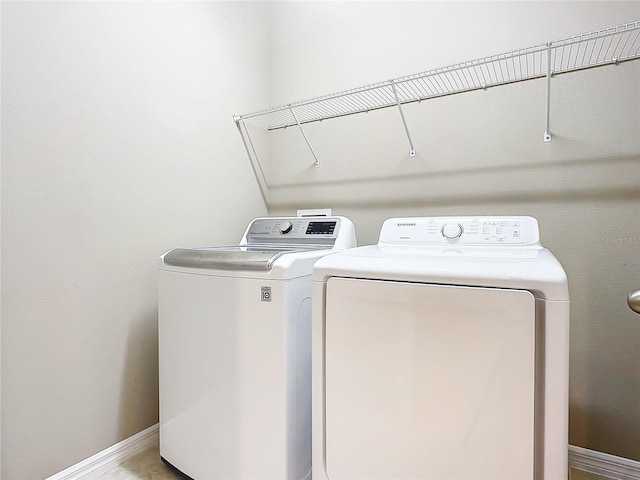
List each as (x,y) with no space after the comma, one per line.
(634,301)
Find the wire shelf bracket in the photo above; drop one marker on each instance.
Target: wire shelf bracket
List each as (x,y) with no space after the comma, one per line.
(547,130)
(412,152)
(608,46)
(305,137)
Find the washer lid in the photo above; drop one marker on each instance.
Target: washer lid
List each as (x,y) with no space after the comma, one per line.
(255,258)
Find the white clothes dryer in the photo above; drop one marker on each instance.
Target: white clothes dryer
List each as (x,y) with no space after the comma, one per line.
(442,353)
(234,327)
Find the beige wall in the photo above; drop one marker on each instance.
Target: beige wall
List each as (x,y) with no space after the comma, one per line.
(117,144)
(482,153)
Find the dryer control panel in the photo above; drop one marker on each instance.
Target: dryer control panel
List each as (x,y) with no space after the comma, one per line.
(471,231)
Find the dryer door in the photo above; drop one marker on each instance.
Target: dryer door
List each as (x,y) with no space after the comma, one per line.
(428,381)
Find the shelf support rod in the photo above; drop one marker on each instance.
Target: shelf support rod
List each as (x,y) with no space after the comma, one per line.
(255,164)
(305,136)
(547,132)
(412,152)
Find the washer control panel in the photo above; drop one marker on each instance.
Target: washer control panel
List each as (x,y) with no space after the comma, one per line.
(499,230)
(301,230)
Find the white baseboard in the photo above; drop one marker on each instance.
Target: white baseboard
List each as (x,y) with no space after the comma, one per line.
(109,457)
(590,461)
(603,464)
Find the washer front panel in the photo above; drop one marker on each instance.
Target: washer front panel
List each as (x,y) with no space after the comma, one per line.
(428,381)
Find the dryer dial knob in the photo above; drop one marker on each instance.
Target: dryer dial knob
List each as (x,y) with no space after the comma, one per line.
(451,230)
(286,227)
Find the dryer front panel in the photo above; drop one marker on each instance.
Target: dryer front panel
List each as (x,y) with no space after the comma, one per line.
(428,381)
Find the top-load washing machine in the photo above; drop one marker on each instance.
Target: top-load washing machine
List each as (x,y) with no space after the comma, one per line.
(442,353)
(234,328)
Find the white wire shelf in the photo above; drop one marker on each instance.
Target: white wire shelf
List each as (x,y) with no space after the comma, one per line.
(603,47)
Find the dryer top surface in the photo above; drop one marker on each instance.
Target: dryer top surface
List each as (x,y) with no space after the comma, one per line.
(502,252)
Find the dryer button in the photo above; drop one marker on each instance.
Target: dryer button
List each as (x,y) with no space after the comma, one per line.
(451,230)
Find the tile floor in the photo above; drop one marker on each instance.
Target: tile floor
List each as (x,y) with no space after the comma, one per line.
(147,465)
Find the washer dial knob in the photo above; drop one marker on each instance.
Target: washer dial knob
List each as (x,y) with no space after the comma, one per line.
(286,227)
(451,230)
